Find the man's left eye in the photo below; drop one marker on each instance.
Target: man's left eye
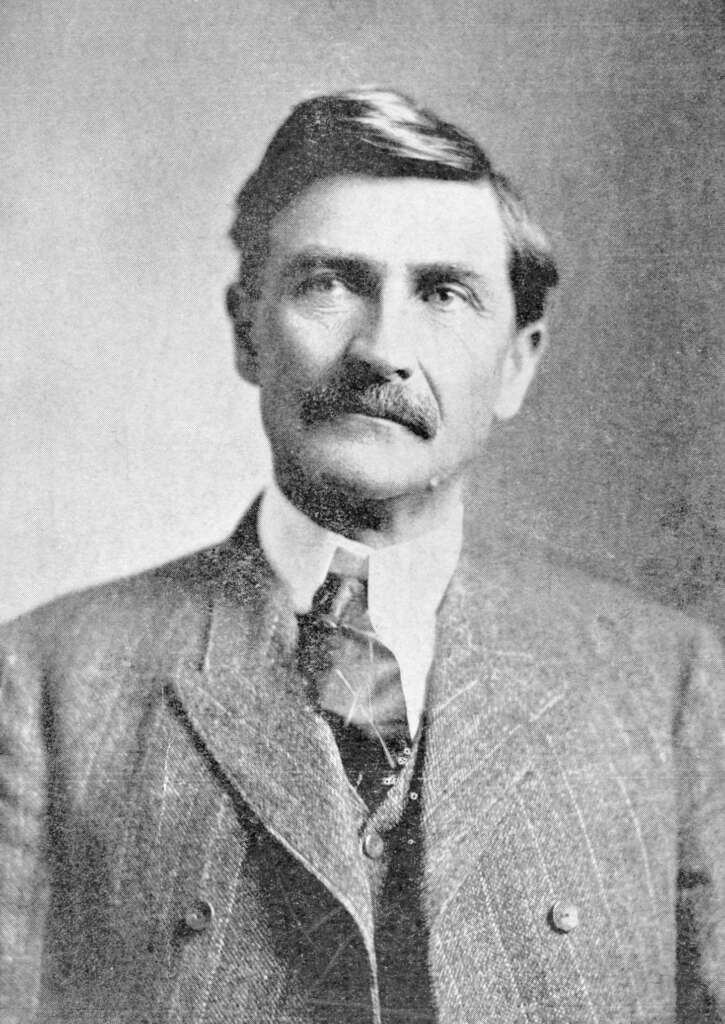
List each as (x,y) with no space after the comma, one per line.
(445,296)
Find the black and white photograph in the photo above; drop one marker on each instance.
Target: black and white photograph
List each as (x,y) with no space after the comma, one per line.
(362,512)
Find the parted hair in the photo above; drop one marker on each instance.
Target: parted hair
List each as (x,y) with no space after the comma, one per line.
(383,134)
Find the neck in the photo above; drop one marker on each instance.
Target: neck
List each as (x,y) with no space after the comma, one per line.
(376,522)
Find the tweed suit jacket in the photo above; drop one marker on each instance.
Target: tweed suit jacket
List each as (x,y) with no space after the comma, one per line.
(158,760)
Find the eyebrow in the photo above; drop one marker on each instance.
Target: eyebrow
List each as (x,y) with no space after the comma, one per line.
(312,259)
(351,263)
(443,271)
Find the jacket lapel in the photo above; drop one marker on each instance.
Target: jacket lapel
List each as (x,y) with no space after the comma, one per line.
(247,704)
(245,700)
(485,690)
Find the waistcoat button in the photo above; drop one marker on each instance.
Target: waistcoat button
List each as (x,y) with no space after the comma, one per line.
(565,916)
(373,845)
(199,916)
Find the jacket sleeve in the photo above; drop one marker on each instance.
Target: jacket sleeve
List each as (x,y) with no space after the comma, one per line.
(700,746)
(23,890)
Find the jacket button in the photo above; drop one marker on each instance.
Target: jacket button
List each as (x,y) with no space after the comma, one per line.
(373,845)
(565,916)
(199,916)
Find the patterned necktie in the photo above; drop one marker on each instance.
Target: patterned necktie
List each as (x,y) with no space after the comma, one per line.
(356,685)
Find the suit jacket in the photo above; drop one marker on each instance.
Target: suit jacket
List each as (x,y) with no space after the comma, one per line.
(179,843)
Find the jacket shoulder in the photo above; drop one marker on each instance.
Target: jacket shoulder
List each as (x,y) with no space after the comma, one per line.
(550,606)
(124,616)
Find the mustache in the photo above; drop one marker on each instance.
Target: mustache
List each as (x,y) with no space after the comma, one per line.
(417,412)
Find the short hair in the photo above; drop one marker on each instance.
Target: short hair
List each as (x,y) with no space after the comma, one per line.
(383,134)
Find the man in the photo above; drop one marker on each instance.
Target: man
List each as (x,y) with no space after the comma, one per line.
(338,768)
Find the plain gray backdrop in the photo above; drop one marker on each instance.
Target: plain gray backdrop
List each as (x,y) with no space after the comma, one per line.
(127,129)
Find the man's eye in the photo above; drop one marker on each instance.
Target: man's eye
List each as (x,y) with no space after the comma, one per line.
(446,296)
(321,284)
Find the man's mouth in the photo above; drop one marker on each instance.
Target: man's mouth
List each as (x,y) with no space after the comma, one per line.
(378,401)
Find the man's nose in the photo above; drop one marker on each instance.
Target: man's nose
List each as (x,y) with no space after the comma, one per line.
(383,342)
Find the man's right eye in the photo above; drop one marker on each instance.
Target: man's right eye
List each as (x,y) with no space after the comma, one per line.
(330,285)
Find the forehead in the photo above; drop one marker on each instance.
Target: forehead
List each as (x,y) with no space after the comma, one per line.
(396,221)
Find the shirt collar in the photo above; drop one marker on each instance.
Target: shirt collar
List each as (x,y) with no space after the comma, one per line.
(411,575)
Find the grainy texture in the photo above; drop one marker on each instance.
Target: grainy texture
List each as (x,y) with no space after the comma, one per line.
(129,128)
(573,752)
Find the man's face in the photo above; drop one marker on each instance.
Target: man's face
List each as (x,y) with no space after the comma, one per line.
(384,336)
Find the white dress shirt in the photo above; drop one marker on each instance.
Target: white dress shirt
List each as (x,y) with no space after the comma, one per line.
(406,582)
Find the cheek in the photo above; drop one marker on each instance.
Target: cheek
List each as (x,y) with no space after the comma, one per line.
(467,385)
(300,349)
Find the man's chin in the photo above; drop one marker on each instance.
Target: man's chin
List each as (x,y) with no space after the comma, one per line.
(367,484)
(366,474)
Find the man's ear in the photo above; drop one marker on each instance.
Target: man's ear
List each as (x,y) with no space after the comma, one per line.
(240,307)
(518,369)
